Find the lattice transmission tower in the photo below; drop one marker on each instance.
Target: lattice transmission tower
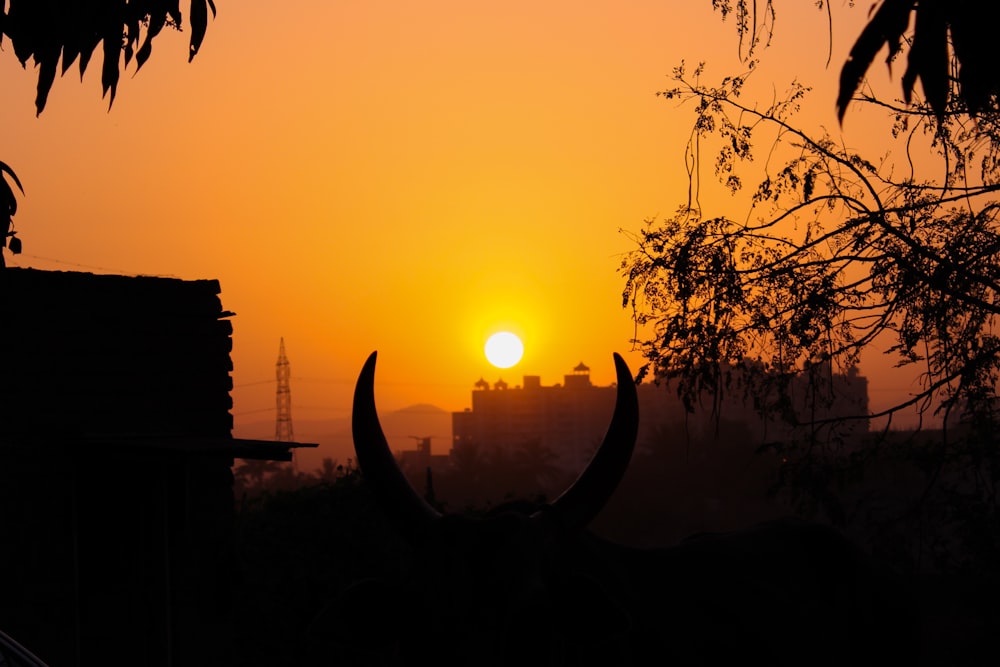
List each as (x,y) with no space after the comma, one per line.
(283,422)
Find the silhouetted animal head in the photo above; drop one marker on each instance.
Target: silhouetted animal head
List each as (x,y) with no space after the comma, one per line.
(528,585)
(500,589)
(575,508)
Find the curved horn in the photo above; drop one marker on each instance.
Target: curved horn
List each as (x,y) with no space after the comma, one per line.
(408,511)
(585,498)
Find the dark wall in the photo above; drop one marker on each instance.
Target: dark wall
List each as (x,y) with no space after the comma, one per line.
(116,508)
(86,354)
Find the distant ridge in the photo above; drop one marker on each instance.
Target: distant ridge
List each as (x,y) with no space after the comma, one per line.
(422,408)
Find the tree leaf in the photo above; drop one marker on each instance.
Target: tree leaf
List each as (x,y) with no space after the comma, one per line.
(109,72)
(46,76)
(974,42)
(928,58)
(85,57)
(886,26)
(8,205)
(46,30)
(5,169)
(132,38)
(199,24)
(156,23)
(71,50)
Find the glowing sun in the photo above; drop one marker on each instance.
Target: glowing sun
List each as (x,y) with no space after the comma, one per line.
(504,349)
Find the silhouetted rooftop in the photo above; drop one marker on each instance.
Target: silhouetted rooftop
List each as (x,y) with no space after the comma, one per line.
(129,361)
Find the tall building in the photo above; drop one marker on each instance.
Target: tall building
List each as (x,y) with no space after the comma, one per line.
(570,419)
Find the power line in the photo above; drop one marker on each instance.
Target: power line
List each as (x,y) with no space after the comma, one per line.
(252,412)
(82,266)
(250,384)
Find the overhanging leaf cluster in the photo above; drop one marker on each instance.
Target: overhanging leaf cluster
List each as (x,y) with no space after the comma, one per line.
(835,253)
(70,31)
(8,207)
(951,46)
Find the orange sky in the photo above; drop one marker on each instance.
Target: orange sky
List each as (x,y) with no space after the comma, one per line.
(391,175)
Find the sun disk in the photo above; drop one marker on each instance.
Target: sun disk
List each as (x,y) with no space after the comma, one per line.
(504,349)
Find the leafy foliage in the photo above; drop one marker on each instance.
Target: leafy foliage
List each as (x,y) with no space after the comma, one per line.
(8,207)
(297,549)
(837,253)
(753,22)
(951,49)
(949,45)
(70,31)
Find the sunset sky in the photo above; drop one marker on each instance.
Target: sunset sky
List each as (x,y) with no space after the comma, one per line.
(401,176)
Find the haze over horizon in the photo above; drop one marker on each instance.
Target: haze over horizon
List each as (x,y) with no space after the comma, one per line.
(393,177)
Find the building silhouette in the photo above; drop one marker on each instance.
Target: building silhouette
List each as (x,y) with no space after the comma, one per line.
(570,419)
(416,462)
(116,455)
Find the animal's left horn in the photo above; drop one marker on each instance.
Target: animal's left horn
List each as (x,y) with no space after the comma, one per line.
(585,498)
(411,513)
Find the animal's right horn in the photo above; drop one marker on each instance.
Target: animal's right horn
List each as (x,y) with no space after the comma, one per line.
(585,498)
(408,511)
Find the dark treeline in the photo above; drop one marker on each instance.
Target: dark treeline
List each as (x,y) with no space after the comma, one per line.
(302,539)
(297,549)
